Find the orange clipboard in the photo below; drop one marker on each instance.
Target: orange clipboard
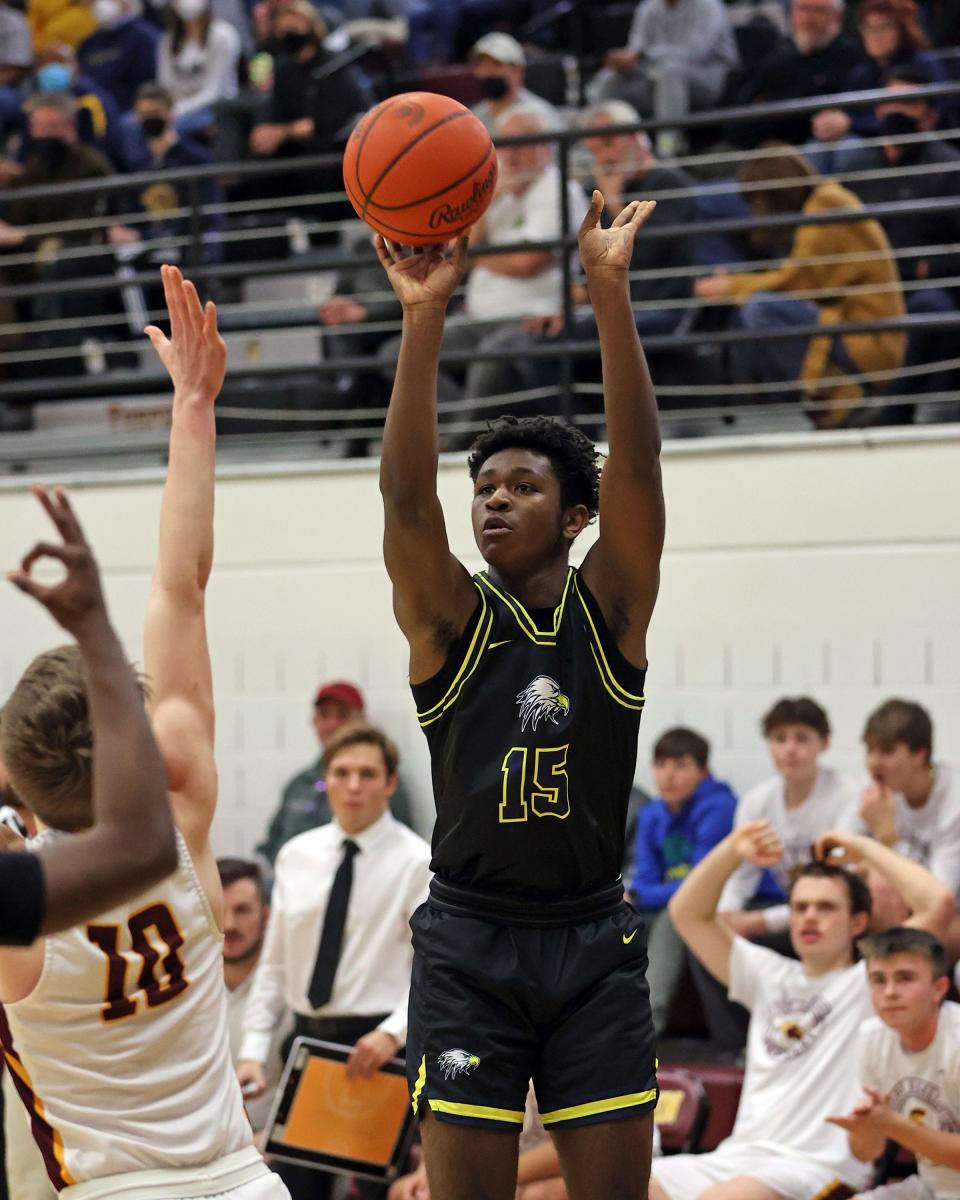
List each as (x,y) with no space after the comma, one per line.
(359,1127)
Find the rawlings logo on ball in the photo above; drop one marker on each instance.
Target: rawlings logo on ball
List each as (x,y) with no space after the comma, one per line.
(453,214)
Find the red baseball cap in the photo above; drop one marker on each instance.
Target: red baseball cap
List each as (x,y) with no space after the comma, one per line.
(347,694)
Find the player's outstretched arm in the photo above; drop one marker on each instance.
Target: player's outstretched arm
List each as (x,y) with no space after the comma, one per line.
(132,843)
(931,903)
(694,907)
(622,569)
(432,593)
(176,654)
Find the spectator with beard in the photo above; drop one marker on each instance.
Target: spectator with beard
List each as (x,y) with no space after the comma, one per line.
(245,917)
(122,54)
(815,62)
(846,264)
(499,64)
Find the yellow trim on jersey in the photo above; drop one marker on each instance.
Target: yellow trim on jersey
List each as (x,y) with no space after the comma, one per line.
(475,651)
(607,677)
(476,1110)
(632,1100)
(541,637)
(16,1065)
(419,1085)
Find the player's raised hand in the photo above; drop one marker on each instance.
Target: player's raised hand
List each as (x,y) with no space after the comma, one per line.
(611,249)
(78,597)
(757,842)
(424,278)
(194,354)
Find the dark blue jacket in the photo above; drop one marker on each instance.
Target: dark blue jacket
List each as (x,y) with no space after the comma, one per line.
(670,844)
(869,74)
(121,59)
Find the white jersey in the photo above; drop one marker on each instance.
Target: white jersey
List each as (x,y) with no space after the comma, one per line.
(798,1066)
(930,834)
(832,804)
(924,1085)
(121,1051)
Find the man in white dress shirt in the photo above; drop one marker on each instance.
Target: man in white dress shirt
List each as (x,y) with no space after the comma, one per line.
(337,950)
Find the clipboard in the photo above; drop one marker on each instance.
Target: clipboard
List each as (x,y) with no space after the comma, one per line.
(359,1127)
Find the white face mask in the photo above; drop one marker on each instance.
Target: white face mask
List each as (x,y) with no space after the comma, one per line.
(107,13)
(189,10)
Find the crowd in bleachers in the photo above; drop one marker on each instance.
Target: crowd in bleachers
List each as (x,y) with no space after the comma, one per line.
(91,92)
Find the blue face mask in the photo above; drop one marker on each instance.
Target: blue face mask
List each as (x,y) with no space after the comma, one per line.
(54,77)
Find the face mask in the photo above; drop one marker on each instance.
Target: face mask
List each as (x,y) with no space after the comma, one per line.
(153,127)
(493,87)
(107,13)
(189,10)
(52,150)
(54,77)
(293,42)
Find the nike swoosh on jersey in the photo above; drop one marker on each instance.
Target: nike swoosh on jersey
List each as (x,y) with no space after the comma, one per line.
(627,939)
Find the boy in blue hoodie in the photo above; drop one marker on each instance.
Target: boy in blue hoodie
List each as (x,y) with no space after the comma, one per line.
(691,814)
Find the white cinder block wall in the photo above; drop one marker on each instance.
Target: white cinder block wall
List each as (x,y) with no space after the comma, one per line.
(826,564)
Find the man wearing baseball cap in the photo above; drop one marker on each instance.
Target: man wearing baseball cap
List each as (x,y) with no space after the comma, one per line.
(499,64)
(303,803)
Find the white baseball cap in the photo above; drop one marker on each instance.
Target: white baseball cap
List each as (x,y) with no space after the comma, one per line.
(502,48)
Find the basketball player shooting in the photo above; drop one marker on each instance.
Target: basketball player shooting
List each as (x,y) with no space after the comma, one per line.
(528,680)
(116,1031)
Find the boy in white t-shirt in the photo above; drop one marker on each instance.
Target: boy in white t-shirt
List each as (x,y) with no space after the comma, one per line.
(909,1056)
(804,1015)
(912,803)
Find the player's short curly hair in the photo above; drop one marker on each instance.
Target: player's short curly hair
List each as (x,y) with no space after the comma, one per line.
(571,453)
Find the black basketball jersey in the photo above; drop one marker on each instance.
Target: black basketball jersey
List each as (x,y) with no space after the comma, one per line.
(532,726)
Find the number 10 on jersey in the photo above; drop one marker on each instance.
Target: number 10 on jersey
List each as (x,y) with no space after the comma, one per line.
(535,781)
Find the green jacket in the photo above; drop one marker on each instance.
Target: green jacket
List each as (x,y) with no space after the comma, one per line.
(304,805)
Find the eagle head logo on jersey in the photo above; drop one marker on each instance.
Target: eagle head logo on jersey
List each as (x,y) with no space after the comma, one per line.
(457,1062)
(542,700)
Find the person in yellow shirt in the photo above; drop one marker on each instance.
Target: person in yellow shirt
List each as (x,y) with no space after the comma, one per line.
(51,21)
(835,273)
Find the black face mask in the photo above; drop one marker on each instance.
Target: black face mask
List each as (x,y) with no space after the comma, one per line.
(52,151)
(493,87)
(153,127)
(895,124)
(292,42)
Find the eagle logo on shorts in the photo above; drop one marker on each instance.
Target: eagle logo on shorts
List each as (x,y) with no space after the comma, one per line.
(542,700)
(457,1062)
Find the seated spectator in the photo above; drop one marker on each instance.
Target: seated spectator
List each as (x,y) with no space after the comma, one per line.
(245,917)
(676,59)
(893,40)
(304,803)
(499,63)
(338,952)
(310,108)
(912,803)
(691,813)
(98,118)
(848,265)
(909,1066)
(815,62)
(915,227)
(16,47)
(122,54)
(60,21)
(197,62)
(804,1015)
(502,289)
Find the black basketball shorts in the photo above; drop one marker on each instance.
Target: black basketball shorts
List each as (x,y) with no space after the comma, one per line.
(495,1005)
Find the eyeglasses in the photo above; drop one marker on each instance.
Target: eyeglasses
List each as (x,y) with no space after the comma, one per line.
(877,26)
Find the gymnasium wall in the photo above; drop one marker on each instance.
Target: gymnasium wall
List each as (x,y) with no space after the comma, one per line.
(827,564)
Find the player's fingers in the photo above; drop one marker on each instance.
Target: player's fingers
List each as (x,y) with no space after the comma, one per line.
(158,339)
(22,581)
(68,555)
(67,520)
(209,321)
(461,248)
(173,294)
(193,309)
(592,218)
(626,215)
(383,254)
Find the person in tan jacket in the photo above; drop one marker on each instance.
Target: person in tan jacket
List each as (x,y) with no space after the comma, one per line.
(834,273)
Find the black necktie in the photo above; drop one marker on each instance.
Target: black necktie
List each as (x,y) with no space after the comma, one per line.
(331,939)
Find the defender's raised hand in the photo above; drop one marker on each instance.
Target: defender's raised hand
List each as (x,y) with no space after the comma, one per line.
(195,354)
(611,249)
(427,278)
(757,842)
(78,596)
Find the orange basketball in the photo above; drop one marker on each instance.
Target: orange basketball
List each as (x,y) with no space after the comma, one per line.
(419,168)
